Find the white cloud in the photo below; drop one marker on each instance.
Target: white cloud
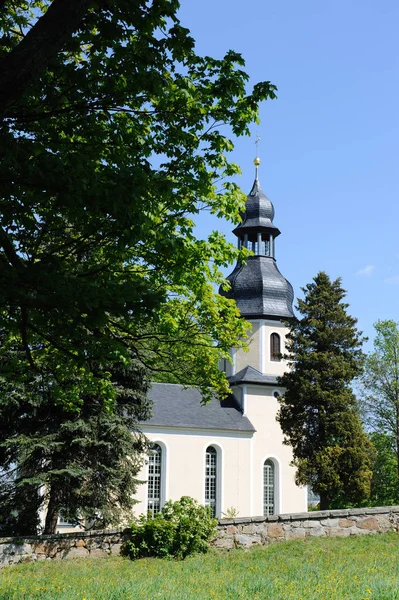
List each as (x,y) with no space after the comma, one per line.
(367,271)
(393,280)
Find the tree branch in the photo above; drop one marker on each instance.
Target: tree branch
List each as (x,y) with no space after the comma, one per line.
(37,49)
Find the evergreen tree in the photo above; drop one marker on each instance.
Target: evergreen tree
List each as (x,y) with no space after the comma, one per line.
(82,464)
(318,412)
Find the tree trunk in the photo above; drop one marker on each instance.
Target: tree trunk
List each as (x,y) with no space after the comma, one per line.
(324,502)
(36,51)
(52,515)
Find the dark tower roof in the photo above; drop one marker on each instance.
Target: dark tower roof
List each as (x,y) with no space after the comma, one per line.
(259,289)
(258,215)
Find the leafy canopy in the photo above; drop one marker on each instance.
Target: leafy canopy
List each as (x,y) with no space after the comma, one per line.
(379,397)
(318,412)
(116,138)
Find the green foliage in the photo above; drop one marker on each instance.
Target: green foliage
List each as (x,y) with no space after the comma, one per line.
(109,154)
(181,528)
(112,145)
(83,464)
(384,484)
(318,412)
(379,401)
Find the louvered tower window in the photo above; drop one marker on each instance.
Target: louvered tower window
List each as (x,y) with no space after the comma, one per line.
(269,488)
(154,480)
(210,478)
(275,347)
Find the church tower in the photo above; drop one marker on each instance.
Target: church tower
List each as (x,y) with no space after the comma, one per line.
(263,296)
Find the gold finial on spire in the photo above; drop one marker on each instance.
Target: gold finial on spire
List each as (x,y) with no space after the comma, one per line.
(257,159)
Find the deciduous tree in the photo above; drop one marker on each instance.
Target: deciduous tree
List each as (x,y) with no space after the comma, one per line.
(318,411)
(379,396)
(114,134)
(108,152)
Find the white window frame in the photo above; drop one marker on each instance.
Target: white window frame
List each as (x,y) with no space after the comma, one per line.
(219,476)
(277,484)
(163,473)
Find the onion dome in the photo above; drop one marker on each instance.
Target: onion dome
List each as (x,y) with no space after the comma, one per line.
(258,287)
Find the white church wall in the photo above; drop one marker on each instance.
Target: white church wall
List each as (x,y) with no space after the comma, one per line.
(261,409)
(258,355)
(184,470)
(253,356)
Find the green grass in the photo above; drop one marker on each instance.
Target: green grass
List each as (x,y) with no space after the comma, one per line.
(357,568)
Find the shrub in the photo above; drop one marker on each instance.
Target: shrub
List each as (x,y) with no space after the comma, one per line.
(181,528)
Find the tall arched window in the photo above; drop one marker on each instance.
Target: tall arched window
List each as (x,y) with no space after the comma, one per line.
(211,478)
(154,480)
(269,488)
(275,347)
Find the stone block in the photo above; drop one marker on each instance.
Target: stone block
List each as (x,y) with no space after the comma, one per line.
(274,530)
(248,528)
(329,522)
(246,541)
(337,532)
(98,553)
(231,529)
(80,543)
(296,523)
(46,549)
(295,534)
(310,524)
(75,553)
(317,531)
(115,549)
(227,543)
(382,510)
(371,523)
(339,513)
(357,511)
(384,523)
(17,549)
(346,523)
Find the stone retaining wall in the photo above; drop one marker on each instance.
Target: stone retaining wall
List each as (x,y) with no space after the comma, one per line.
(244,533)
(89,544)
(232,533)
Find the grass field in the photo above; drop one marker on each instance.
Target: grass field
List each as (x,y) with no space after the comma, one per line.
(357,568)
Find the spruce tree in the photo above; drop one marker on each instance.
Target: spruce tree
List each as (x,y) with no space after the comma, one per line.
(79,463)
(318,413)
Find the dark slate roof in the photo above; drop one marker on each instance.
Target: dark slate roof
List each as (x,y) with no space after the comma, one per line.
(258,215)
(251,375)
(259,289)
(175,406)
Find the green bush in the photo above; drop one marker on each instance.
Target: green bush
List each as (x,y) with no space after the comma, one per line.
(181,528)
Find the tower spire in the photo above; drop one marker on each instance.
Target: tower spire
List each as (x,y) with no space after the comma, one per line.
(257,159)
(259,289)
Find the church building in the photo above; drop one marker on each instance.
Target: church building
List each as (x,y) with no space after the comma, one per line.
(229,454)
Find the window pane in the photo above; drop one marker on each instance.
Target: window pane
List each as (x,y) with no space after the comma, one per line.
(210,478)
(275,347)
(268,488)
(154,480)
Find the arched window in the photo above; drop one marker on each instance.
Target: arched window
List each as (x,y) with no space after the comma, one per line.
(211,478)
(275,347)
(269,488)
(154,480)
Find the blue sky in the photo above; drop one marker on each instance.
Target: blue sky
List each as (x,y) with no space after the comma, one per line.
(329,143)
